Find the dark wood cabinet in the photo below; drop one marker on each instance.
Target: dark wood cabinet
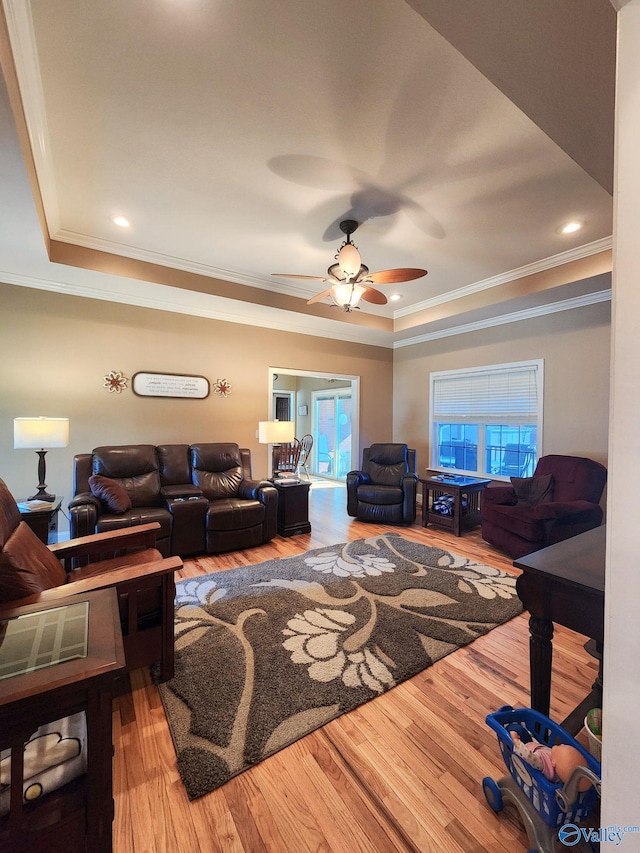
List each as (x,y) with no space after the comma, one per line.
(293,508)
(43,522)
(36,690)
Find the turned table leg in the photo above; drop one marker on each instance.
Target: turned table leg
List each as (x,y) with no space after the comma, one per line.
(540,655)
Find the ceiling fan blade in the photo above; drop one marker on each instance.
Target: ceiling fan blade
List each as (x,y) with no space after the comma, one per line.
(307,277)
(392,276)
(318,296)
(373,295)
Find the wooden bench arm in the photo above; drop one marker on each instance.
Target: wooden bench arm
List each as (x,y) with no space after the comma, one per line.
(141,536)
(116,577)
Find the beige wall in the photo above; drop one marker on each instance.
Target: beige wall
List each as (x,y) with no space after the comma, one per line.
(56,349)
(575,348)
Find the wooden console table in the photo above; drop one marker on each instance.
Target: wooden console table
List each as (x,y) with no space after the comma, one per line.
(60,659)
(563,583)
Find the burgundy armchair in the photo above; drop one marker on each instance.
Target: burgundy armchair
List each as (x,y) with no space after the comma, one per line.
(518,526)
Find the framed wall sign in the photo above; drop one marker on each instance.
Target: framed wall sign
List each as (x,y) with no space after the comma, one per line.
(170,385)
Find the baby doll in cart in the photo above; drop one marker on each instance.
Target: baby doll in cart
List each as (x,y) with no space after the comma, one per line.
(556,763)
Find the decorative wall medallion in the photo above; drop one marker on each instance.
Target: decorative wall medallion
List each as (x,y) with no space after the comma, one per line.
(222,387)
(115,381)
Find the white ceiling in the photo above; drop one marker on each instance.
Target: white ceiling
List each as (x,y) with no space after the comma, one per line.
(235,135)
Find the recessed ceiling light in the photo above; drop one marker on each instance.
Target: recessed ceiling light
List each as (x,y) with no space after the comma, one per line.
(122,221)
(394,297)
(570,227)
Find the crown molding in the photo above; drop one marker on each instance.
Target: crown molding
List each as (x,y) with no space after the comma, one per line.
(134,253)
(83,240)
(162,297)
(505,319)
(558,260)
(27,69)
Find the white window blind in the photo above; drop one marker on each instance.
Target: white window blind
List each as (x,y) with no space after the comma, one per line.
(501,394)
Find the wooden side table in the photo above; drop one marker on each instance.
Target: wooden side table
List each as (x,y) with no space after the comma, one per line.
(463,518)
(57,660)
(43,522)
(293,508)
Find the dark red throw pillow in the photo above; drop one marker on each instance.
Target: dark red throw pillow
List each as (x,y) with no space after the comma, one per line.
(533,490)
(112,493)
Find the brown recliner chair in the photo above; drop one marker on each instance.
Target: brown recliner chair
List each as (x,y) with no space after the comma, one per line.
(570,506)
(31,571)
(242,512)
(384,491)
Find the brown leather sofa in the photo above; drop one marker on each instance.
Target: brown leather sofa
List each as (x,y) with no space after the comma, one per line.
(202,496)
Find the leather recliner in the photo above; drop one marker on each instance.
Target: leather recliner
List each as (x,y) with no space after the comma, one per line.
(202,496)
(242,512)
(384,491)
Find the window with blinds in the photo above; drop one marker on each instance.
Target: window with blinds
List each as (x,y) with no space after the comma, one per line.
(487,420)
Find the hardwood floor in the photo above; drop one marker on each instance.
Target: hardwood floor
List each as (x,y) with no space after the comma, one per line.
(401,773)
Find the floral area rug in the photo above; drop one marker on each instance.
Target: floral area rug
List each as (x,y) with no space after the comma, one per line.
(265,654)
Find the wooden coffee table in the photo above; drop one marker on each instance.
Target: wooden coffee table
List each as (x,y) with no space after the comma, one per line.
(458,486)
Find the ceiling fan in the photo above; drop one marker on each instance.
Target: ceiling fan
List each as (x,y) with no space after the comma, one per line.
(350,280)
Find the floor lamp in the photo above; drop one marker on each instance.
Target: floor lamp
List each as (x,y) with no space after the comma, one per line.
(40,434)
(276,433)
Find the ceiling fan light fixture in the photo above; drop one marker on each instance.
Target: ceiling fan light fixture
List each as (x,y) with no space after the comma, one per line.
(350,280)
(349,260)
(347,295)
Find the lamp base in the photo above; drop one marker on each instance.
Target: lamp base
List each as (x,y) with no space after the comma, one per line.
(42,495)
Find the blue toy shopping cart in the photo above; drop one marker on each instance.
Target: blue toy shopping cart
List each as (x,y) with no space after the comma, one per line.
(543,805)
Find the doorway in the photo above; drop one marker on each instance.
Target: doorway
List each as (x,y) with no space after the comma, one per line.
(332,432)
(325,406)
(282,409)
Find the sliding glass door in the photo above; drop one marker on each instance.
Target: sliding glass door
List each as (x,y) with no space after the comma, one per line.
(332,432)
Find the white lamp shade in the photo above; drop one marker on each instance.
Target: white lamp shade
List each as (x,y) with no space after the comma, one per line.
(346,294)
(40,433)
(276,432)
(349,260)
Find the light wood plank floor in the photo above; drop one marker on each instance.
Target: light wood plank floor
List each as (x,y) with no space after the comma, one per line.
(401,773)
